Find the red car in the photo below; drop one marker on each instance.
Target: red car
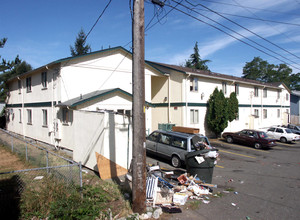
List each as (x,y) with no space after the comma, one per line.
(257,139)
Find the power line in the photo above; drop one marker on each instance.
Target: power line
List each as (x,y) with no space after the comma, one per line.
(259,9)
(171,6)
(97,20)
(245,29)
(257,18)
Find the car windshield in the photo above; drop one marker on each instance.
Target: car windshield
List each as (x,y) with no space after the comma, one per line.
(262,135)
(204,140)
(297,128)
(288,131)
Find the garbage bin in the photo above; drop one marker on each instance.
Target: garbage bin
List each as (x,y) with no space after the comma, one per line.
(197,163)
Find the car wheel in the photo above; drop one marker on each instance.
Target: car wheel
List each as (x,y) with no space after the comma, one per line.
(229,139)
(257,146)
(283,139)
(176,162)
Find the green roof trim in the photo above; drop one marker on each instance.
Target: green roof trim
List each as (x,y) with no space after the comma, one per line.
(31,104)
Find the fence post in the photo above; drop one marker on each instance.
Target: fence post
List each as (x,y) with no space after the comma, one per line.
(47,161)
(26,151)
(80,174)
(12,143)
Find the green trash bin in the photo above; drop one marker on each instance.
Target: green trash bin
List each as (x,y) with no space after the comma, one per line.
(204,169)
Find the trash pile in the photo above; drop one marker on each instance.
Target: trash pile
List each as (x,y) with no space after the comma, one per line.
(171,188)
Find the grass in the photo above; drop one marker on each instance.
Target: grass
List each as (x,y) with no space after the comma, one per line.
(54,200)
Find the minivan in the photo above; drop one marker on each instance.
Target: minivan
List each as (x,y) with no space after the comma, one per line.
(172,145)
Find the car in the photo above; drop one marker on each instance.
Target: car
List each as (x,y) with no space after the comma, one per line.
(173,145)
(255,138)
(283,134)
(294,128)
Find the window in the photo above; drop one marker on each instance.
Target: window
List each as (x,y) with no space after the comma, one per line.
(224,87)
(265,113)
(179,142)
(194,84)
(45,118)
(165,139)
(278,113)
(194,116)
(237,88)
(287,97)
(65,113)
(256,113)
(154,136)
(19,86)
(28,84)
(265,93)
(20,116)
(256,91)
(29,116)
(279,130)
(44,80)
(278,94)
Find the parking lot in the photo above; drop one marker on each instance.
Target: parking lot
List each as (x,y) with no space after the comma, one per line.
(254,184)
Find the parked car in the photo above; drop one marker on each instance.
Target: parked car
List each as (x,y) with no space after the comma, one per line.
(257,139)
(294,128)
(282,134)
(173,145)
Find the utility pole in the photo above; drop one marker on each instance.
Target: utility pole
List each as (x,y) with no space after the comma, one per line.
(138,106)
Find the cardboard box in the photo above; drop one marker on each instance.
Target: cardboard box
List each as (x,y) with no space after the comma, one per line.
(186,130)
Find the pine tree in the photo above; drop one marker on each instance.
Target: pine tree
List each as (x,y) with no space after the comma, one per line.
(79,47)
(232,106)
(195,61)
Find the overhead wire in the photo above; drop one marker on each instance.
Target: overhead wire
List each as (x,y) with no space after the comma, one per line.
(240,34)
(171,6)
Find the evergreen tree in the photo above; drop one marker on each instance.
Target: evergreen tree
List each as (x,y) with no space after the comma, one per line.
(232,106)
(217,112)
(79,47)
(195,61)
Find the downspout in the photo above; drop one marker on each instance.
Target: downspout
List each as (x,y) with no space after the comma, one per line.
(169,105)
(23,122)
(52,108)
(186,101)
(262,106)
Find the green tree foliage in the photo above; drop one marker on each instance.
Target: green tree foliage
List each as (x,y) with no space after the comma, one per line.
(10,69)
(195,61)
(261,70)
(217,116)
(79,47)
(232,106)
(221,110)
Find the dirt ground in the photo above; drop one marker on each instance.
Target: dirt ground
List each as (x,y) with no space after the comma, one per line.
(10,162)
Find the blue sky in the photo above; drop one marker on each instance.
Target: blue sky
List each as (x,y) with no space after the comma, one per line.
(42,31)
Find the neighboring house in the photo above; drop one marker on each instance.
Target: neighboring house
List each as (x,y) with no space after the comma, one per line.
(295,107)
(84,103)
(182,99)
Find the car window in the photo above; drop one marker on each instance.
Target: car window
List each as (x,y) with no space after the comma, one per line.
(251,133)
(244,132)
(262,134)
(279,130)
(271,129)
(165,139)
(288,131)
(179,142)
(297,128)
(201,139)
(153,136)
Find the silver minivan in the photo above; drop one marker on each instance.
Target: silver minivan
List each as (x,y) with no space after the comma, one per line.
(172,145)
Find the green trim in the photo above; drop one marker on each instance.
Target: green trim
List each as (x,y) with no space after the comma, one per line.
(33,104)
(192,104)
(167,67)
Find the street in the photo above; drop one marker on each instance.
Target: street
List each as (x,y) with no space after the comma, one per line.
(254,184)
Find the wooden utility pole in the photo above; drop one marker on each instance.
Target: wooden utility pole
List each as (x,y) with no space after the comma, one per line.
(138,106)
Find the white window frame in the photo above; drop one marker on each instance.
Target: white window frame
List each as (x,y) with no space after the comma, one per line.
(45,117)
(256,112)
(28,84)
(256,94)
(194,116)
(278,94)
(278,113)
(237,88)
(193,84)
(44,80)
(224,87)
(265,92)
(20,86)
(29,116)
(265,113)
(287,97)
(65,115)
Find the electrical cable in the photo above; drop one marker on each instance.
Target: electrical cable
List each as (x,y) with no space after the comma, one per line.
(240,34)
(171,6)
